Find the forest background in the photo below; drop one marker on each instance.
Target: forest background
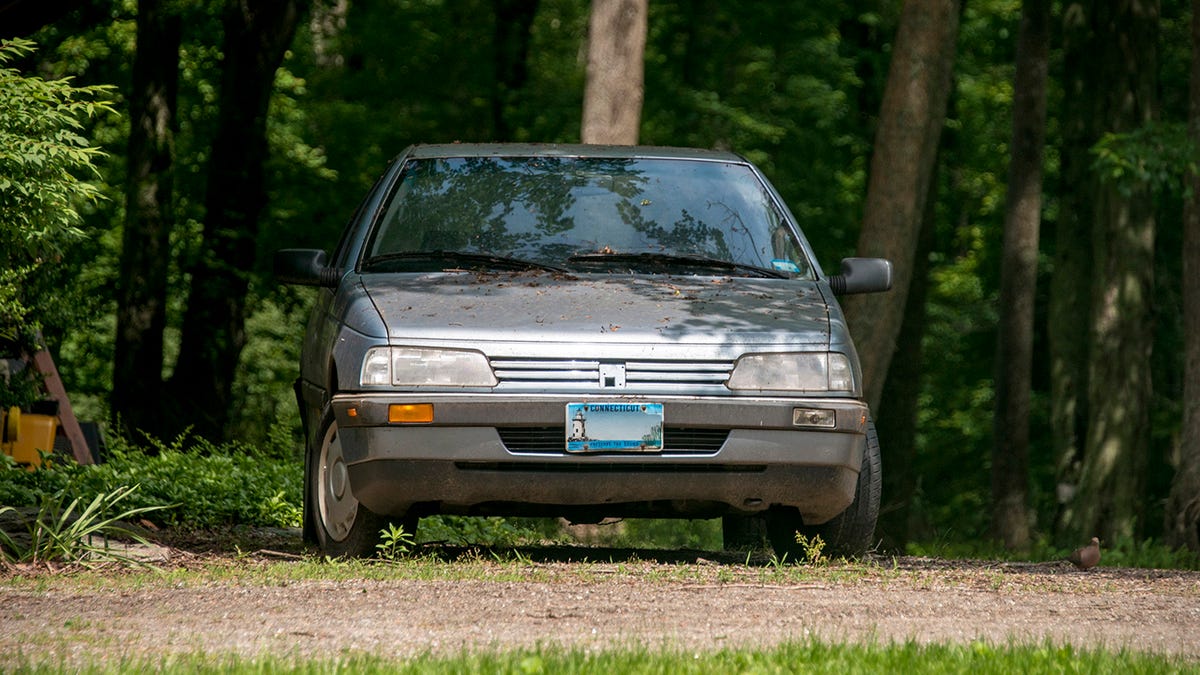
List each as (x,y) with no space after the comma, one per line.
(260,125)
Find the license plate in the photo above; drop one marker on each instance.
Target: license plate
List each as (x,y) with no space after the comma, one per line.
(614,427)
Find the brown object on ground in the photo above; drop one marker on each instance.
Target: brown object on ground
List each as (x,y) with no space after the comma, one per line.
(1087,557)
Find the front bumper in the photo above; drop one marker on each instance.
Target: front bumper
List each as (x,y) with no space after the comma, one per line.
(460,464)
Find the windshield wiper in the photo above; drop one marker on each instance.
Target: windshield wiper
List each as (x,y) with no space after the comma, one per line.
(420,261)
(667,261)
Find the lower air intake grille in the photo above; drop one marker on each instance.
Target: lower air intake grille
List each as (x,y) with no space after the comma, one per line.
(553,439)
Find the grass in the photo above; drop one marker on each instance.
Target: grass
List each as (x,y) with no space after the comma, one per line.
(577,565)
(1148,554)
(67,533)
(812,656)
(471,564)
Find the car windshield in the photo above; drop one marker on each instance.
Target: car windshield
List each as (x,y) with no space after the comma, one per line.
(595,214)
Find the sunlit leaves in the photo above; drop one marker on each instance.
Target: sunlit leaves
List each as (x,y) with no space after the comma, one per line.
(45,168)
(1159,156)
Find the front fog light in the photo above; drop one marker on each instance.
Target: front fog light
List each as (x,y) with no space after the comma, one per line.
(814,417)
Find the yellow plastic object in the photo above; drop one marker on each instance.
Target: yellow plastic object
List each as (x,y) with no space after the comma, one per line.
(11,426)
(35,432)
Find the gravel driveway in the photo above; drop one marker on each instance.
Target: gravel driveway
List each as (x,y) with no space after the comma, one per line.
(688,602)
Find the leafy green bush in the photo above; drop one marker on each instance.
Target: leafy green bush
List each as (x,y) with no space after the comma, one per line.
(205,485)
(43,155)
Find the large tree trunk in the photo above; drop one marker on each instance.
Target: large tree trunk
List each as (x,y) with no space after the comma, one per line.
(514,18)
(910,124)
(1183,505)
(257,32)
(612,99)
(1107,501)
(897,421)
(1018,281)
(146,247)
(1069,308)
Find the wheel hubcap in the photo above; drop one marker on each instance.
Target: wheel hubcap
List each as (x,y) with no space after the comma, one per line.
(337,479)
(336,503)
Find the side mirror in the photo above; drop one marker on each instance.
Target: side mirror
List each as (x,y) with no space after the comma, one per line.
(305,267)
(862,275)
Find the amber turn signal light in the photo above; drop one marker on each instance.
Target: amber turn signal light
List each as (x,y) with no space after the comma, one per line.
(418,413)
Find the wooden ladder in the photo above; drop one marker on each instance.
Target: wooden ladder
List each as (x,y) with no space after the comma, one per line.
(43,363)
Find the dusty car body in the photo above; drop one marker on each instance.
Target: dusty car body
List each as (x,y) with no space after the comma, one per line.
(581,331)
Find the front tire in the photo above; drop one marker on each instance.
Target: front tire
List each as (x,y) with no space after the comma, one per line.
(850,533)
(341,525)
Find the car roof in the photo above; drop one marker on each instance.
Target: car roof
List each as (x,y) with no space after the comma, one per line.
(442,150)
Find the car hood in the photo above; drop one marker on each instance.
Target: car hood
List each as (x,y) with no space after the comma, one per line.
(542,307)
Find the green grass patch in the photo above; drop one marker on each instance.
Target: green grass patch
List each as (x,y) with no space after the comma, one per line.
(978,658)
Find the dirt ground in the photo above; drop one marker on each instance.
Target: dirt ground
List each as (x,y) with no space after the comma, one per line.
(686,600)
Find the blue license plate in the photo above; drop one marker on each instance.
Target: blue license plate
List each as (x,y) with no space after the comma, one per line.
(614,427)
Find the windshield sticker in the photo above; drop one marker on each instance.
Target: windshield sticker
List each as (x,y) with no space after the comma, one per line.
(785,266)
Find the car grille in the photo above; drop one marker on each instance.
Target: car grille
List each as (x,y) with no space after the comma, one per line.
(553,439)
(584,374)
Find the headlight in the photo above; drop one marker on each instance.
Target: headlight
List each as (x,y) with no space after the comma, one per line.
(815,371)
(417,367)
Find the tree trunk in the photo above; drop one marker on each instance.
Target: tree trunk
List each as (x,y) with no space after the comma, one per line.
(897,421)
(1108,501)
(146,247)
(1018,281)
(910,124)
(257,32)
(612,99)
(1183,505)
(513,21)
(1068,311)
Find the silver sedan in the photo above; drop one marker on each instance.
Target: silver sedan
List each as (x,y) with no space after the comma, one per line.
(581,331)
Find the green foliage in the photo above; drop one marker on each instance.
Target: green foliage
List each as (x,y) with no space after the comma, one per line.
(808,656)
(666,533)
(67,533)
(477,531)
(1147,553)
(20,389)
(814,548)
(394,542)
(189,482)
(230,484)
(1159,156)
(265,411)
(43,161)
(21,488)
